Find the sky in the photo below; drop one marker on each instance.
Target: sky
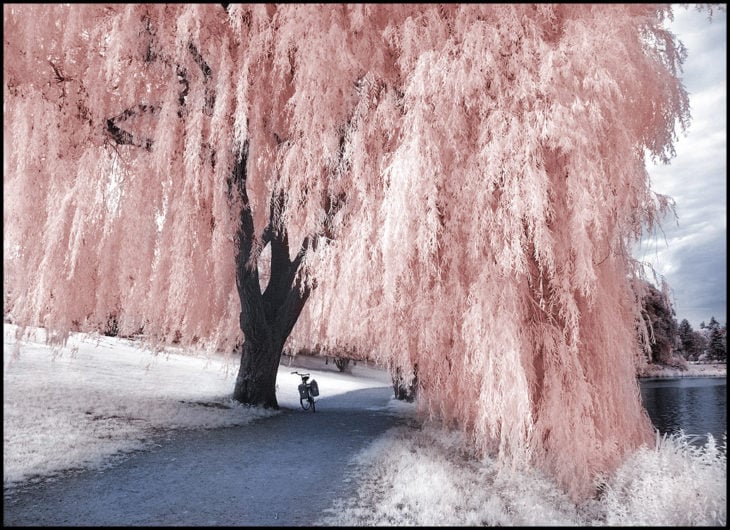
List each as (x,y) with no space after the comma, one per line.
(693,258)
(58,415)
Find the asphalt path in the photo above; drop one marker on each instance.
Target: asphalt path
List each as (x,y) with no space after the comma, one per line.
(286,470)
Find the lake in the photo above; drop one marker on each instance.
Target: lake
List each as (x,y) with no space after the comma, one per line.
(697,405)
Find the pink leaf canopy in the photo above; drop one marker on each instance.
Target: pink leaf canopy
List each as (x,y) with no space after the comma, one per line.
(491,157)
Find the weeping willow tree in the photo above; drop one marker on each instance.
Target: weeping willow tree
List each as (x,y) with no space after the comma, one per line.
(454,187)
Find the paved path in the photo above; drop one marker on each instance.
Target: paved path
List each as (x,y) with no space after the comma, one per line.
(280,471)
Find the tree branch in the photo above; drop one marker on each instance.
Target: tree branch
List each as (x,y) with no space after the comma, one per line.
(291,308)
(253,317)
(122,137)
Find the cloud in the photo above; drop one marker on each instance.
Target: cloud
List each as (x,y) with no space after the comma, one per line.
(691,252)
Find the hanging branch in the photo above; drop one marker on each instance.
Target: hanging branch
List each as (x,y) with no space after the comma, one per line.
(124,137)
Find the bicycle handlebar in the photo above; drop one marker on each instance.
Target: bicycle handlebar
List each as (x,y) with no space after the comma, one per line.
(301,375)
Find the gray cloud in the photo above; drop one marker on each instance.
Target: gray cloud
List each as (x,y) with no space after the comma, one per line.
(691,253)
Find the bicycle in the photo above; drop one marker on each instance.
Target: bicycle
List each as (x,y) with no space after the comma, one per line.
(307,392)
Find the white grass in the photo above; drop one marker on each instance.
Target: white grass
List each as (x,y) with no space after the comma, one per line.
(422,477)
(76,406)
(83,405)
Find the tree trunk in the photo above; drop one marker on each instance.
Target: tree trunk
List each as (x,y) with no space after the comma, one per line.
(401,390)
(256,381)
(265,326)
(267,318)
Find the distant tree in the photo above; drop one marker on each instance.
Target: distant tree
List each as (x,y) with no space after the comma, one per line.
(717,349)
(691,342)
(461,183)
(702,342)
(659,317)
(684,332)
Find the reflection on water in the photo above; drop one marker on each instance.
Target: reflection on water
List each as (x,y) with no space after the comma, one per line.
(696,405)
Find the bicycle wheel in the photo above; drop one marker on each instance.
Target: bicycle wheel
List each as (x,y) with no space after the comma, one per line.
(305,403)
(311,402)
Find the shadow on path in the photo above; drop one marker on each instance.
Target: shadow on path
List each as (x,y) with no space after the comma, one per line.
(279,471)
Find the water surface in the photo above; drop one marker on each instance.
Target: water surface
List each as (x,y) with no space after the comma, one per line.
(695,405)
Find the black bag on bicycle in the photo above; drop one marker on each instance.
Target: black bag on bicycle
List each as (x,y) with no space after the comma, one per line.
(302,391)
(314,388)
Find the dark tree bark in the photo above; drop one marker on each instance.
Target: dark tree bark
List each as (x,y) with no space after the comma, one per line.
(401,390)
(266,318)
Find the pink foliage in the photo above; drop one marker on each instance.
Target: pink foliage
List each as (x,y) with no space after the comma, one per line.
(493,163)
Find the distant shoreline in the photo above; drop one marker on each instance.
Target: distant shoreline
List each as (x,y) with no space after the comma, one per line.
(651,371)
